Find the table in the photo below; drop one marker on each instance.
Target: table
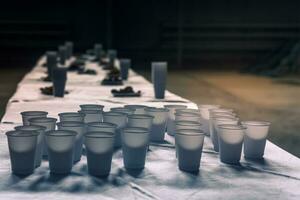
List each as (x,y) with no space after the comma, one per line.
(277,176)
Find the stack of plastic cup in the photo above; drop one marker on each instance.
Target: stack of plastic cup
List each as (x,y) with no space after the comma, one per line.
(188,116)
(255,138)
(40,141)
(160,117)
(127,111)
(135,142)
(230,143)
(79,128)
(189,145)
(125,66)
(51,59)
(69,46)
(98,48)
(187,125)
(71,117)
(219,121)
(159,78)
(204,111)
(91,107)
(60,145)
(22,149)
(32,114)
(101,127)
(171,117)
(92,115)
(138,109)
(59,80)
(62,52)
(47,122)
(140,121)
(120,119)
(99,151)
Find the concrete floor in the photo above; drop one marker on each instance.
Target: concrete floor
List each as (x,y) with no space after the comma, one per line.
(253,97)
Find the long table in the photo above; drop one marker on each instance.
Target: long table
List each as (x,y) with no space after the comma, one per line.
(277,176)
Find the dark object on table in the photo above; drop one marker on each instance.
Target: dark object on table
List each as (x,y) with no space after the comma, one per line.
(75,66)
(49,90)
(114,72)
(112,81)
(126,92)
(124,66)
(46,79)
(59,81)
(87,71)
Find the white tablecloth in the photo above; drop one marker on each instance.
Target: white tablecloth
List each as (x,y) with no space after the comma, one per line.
(275,177)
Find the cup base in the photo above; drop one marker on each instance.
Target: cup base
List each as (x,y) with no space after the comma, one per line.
(191,170)
(230,162)
(22,173)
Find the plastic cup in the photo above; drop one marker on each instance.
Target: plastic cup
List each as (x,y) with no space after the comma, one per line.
(222,110)
(98,48)
(230,143)
(127,111)
(204,111)
(160,117)
(189,145)
(32,114)
(71,117)
(69,46)
(62,52)
(112,54)
(140,121)
(219,121)
(189,110)
(99,151)
(92,115)
(135,143)
(51,60)
(159,78)
(60,145)
(101,127)
(125,66)
(138,109)
(171,117)
(255,138)
(40,141)
(187,125)
(120,119)
(47,122)
(188,116)
(22,148)
(59,81)
(79,128)
(91,107)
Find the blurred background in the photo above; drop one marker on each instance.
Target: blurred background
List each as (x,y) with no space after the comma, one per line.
(240,54)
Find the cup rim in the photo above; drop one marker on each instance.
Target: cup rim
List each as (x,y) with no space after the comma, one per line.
(113,113)
(122,110)
(256,123)
(34,113)
(19,133)
(91,106)
(154,109)
(187,114)
(231,127)
(208,106)
(138,130)
(76,114)
(24,127)
(102,124)
(70,124)
(135,106)
(221,114)
(195,132)
(175,106)
(224,110)
(100,134)
(61,133)
(140,116)
(43,119)
(90,111)
(190,110)
(187,122)
(221,119)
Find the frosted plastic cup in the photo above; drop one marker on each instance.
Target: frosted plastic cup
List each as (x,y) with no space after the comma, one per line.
(230,143)
(140,121)
(255,138)
(32,114)
(40,141)
(191,110)
(135,142)
(62,52)
(69,46)
(59,81)
(159,78)
(98,48)
(51,60)
(222,110)
(91,107)
(159,124)
(188,116)
(187,125)
(204,111)
(92,115)
(138,109)
(101,127)
(125,66)
(22,149)
(120,119)
(189,145)
(216,122)
(99,151)
(127,111)
(60,145)
(71,117)
(79,128)
(171,117)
